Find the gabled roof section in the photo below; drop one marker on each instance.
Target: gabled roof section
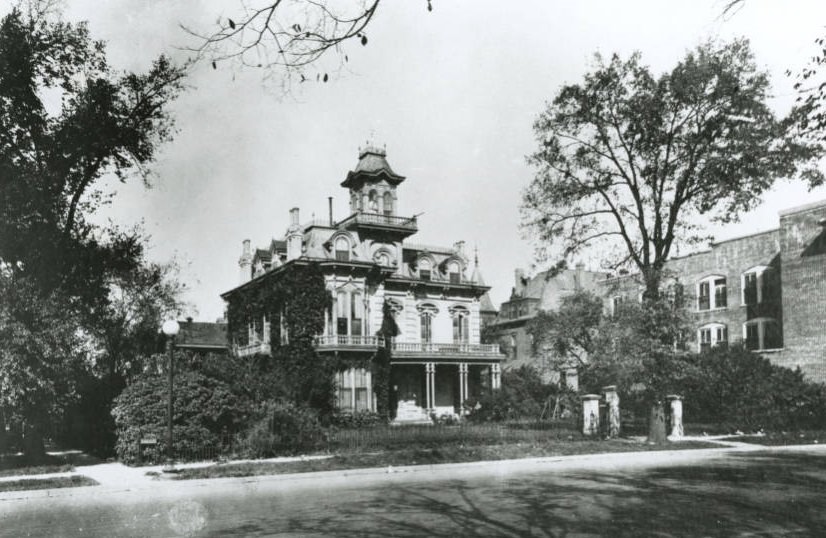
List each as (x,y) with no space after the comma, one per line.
(372,165)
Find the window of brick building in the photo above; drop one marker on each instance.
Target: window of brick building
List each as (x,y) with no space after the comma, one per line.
(712,293)
(712,335)
(762,333)
(754,285)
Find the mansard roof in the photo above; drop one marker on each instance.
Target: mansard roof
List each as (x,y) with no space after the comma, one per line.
(372,165)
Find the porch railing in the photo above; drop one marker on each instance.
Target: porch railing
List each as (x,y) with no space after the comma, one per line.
(452,348)
(253,348)
(348,340)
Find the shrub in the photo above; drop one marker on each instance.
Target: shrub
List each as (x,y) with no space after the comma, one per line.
(283,429)
(357,419)
(742,390)
(204,410)
(523,395)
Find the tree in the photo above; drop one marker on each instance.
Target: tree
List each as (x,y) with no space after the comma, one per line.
(67,120)
(127,324)
(52,157)
(40,356)
(810,84)
(634,163)
(286,38)
(566,336)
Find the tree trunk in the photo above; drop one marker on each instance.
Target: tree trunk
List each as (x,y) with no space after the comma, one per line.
(656,424)
(34,451)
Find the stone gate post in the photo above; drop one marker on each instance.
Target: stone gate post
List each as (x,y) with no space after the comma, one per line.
(613,402)
(590,414)
(676,416)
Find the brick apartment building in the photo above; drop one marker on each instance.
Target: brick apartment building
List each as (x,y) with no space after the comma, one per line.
(766,290)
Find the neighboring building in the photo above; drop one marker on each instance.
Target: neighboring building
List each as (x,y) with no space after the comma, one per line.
(202,337)
(528,296)
(438,302)
(765,290)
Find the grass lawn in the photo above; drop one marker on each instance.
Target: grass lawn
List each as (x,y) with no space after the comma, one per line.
(807,437)
(56,462)
(47,483)
(430,455)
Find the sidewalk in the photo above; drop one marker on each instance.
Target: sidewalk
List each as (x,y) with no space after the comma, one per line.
(119,478)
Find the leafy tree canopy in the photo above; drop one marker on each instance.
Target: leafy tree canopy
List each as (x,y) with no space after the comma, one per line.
(632,162)
(67,119)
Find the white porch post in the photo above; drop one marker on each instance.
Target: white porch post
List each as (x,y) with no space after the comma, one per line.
(463,369)
(496,373)
(429,369)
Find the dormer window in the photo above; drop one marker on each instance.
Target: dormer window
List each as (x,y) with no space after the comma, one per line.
(424,269)
(712,293)
(342,249)
(454,273)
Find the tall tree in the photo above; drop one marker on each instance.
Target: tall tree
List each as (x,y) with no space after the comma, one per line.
(810,84)
(635,163)
(67,120)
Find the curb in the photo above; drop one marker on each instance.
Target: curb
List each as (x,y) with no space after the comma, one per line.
(600,461)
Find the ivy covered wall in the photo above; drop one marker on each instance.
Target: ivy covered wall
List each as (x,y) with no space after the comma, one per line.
(299,291)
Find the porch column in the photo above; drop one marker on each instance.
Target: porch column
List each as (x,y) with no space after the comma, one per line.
(429,370)
(463,368)
(495,376)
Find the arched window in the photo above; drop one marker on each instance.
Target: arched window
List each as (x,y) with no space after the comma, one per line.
(342,309)
(461,324)
(712,335)
(373,202)
(712,293)
(426,314)
(454,272)
(388,203)
(356,313)
(342,249)
(424,268)
(756,285)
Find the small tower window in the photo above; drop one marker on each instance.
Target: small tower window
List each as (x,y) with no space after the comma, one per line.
(373,202)
(388,203)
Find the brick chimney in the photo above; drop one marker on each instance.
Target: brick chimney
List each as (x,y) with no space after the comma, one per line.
(245,262)
(294,236)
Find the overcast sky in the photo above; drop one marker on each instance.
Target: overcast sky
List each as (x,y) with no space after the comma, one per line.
(453,95)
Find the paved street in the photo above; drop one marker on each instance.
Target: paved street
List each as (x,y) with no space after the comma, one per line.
(691,493)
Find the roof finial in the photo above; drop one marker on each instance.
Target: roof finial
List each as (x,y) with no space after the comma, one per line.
(476,255)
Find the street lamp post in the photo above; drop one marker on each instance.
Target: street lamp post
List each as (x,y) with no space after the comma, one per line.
(170,328)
